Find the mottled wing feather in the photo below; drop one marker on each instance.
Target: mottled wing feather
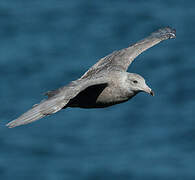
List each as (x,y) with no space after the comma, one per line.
(156,37)
(106,63)
(56,101)
(120,60)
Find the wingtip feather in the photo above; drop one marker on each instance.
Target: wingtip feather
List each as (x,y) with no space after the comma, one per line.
(46,107)
(23,120)
(165,33)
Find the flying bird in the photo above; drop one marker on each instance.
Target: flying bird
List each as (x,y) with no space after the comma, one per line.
(105,84)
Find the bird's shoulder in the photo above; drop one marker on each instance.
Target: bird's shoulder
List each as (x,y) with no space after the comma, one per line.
(106,64)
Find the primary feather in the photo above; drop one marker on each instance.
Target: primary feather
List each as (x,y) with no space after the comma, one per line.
(46,107)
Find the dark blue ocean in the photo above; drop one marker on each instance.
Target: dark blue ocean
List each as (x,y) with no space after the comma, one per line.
(44,44)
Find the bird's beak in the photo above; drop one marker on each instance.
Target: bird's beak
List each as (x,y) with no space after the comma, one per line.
(148,90)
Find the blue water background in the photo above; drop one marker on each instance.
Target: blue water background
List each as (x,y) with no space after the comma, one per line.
(44,44)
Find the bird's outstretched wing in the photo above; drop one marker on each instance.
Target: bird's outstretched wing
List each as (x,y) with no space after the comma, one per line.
(56,100)
(121,59)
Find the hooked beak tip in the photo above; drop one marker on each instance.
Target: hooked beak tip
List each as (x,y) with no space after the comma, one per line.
(151,93)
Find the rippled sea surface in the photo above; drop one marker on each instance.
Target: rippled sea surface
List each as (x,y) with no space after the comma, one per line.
(45,44)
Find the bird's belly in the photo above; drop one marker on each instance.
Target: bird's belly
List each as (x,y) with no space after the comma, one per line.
(98,98)
(111,96)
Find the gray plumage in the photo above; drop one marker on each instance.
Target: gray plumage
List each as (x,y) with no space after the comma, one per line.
(106,83)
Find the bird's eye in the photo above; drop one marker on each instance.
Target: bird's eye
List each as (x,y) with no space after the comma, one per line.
(135,81)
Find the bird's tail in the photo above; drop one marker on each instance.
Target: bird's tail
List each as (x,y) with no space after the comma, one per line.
(38,111)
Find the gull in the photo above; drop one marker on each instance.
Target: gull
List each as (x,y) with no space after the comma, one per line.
(105,84)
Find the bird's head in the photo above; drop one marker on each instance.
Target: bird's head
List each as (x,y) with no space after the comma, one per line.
(137,84)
